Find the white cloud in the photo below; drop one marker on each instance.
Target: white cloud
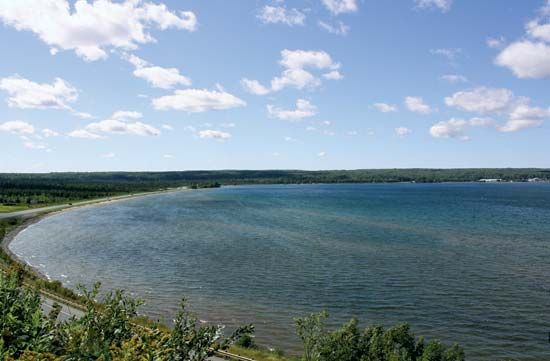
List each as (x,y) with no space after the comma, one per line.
(49,133)
(168,156)
(514,125)
(496,43)
(228,125)
(115,126)
(526,59)
(443,5)
(84,134)
(35,146)
(449,53)
(321,154)
(278,14)
(482,100)
(530,57)
(26,94)
(254,87)
(338,28)
(333,75)
(198,100)
(295,74)
(454,78)
(82,115)
(352,133)
(158,77)
(385,108)
(520,115)
(167,127)
(297,78)
(126,114)
(17,127)
(456,128)
(402,131)
(92,28)
(290,139)
(299,59)
(417,105)
(109,155)
(304,109)
(213,134)
(341,6)
(539,31)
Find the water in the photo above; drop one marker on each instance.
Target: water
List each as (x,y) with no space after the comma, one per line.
(468,263)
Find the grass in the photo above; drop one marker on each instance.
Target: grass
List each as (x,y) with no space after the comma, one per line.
(260,354)
(6,209)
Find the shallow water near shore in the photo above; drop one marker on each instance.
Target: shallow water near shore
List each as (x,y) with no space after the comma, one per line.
(467,263)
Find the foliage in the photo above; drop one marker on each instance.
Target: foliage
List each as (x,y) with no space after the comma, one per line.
(31,190)
(104,332)
(374,343)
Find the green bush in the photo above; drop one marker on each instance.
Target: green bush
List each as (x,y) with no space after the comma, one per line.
(375,343)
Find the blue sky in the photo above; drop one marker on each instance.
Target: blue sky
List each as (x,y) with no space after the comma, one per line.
(251,84)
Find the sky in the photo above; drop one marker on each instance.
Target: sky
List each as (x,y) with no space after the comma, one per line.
(132,85)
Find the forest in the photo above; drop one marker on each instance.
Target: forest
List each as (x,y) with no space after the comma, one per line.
(55,188)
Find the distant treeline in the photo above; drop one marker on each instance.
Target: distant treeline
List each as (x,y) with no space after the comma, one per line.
(50,188)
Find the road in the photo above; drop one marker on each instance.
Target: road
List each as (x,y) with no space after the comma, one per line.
(34,211)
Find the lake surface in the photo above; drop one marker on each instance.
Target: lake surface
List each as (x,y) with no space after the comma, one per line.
(469,263)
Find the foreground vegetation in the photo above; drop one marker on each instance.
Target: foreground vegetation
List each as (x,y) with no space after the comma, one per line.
(107,331)
(29,190)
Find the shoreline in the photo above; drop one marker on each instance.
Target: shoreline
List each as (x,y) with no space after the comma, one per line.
(31,219)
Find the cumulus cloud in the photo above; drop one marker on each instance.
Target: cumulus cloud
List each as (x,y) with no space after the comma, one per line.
(26,94)
(402,131)
(530,57)
(338,28)
(294,74)
(304,109)
(443,5)
(198,100)
(90,29)
(496,43)
(279,14)
(456,128)
(520,115)
(448,53)
(84,134)
(322,154)
(482,100)
(158,77)
(333,75)
(526,59)
(109,155)
(48,133)
(454,78)
(417,105)
(337,7)
(213,134)
(120,122)
(126,114)
(254,87)
(18,127)
(115,126)
(385,108)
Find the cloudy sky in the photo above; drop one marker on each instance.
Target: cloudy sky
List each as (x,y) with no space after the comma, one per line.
(314,84)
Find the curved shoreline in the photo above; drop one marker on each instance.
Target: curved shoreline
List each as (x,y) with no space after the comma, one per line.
(32,219)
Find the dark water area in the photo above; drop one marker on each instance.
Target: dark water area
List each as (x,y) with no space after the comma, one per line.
(467,263)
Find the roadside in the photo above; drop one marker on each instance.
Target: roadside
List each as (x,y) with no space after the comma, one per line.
(35,211)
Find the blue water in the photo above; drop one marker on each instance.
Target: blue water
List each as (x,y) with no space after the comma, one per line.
(468,263)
